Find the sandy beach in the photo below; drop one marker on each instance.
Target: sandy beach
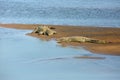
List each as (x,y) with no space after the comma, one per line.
(102,33)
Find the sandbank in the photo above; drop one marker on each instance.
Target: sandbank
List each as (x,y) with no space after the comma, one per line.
(103,33)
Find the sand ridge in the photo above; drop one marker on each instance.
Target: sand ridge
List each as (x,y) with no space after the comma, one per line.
(102,33)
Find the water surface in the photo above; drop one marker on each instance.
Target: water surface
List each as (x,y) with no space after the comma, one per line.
(104,13)
(26,58)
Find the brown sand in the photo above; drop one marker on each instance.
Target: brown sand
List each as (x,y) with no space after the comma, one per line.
(108,34)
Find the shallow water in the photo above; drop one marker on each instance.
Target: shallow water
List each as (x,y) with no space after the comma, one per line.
(104,13)
(26,58)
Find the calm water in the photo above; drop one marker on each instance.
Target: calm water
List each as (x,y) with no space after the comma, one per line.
(63,12)
(26,58)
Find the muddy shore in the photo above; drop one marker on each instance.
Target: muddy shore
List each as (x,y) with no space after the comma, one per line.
(109,34)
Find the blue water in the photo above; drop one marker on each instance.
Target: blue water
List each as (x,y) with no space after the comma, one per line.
(26,58)
(105,13)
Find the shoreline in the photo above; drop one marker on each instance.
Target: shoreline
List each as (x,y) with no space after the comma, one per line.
(102,33)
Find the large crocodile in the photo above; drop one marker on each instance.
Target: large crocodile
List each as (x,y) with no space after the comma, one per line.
(44,30)
(81,39)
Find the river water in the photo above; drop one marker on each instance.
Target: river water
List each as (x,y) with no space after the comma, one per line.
(26,58)
(105,13)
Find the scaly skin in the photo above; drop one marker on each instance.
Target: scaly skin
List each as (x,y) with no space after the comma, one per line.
(81,39)
(44,30)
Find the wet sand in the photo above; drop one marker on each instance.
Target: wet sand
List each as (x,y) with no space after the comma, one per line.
(109,34)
